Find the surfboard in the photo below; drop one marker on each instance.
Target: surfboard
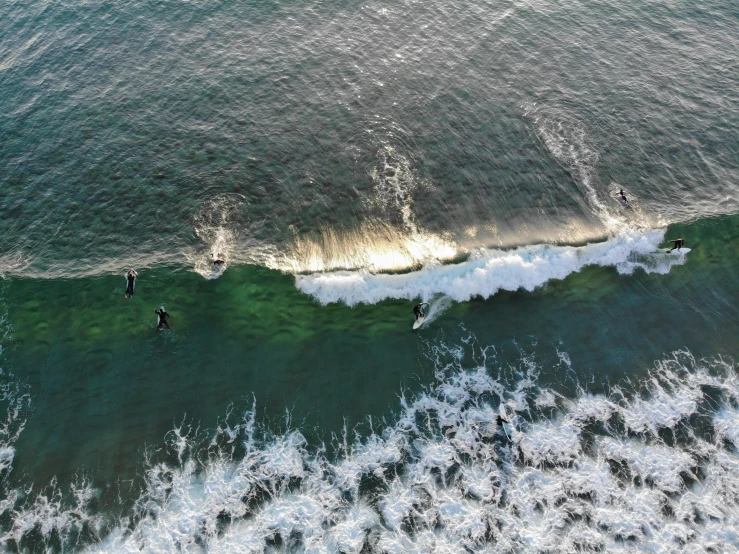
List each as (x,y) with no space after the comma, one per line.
(419,322)
(508,430)
(507,425)
(678,252)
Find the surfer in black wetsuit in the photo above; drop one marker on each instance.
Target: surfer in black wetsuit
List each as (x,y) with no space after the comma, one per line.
(217,262)
(162,318)
(418,310)
(678,243)
(131,280)
(623,199)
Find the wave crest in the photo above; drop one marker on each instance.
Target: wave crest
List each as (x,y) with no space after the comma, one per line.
(488,271)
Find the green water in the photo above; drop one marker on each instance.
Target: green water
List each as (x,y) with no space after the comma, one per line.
(297,137)
(105,384)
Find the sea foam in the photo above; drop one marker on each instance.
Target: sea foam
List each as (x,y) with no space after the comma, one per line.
(488,271)
(441,477)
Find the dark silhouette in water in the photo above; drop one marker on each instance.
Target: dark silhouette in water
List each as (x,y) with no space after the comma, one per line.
(678,243)
(162,318)
(131,280)
(418,310)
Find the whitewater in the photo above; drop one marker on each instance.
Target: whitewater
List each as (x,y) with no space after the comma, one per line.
(647,467)
(631,243)
(488,271)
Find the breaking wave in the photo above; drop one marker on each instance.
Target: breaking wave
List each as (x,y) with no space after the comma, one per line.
(389,240)
(488,271)
(647,468)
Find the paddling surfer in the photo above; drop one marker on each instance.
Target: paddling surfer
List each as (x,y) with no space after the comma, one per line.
(131,282)
(162,323)
(217,262)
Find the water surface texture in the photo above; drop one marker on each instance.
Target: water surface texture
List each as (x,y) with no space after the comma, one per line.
(347,160)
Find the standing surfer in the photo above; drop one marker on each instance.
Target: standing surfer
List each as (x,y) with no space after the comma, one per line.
(678,243)
(418,310)
(131,282)
(623,198)
(162,321)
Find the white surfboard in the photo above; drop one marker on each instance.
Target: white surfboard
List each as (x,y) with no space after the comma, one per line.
(419,322)
(678,252)
(507,425)
(508,429)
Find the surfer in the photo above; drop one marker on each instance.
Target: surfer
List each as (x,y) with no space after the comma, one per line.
(162,322)
(678,243)
(418,310)
(623,198)
(131,280)
(503,421)
(217,262)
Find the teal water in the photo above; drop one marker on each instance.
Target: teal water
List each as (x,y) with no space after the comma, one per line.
(105,387)
(125,125)
(348,160)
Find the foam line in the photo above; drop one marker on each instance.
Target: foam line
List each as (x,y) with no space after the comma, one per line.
(444,480)
(488,271)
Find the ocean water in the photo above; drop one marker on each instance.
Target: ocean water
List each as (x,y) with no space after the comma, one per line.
(348,160)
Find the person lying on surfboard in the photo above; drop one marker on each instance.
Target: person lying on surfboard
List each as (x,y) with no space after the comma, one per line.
(217,262)
(418,310)
(162,318)
(131,280)
(679,243)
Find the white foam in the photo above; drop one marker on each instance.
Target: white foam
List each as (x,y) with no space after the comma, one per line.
(7,453)
(551,442)
(395,181)
(16,404)
(226,234)
(442,480)
(591,408)
(488,271)
(656,464)
(660,409)
(726,424)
